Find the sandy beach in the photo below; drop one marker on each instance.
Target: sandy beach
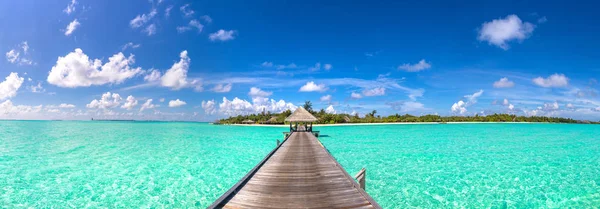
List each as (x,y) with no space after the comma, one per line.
(376,124)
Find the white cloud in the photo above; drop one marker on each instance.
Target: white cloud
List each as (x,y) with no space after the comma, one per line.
(459,107)
(130,103)
(196,24)
(542,19)
(278,67)
(12,56)
(72,27)
(37,89)
(316,67)
(209,107)
(161,100)
(411,106)
(182,29)
(176,76)
(235,106)
(25,61)
(260,104)
(50,110)
(511,106)
(330,110)
(555,80)
(289,66)
(25,47)
(77,70)
(176,103)
(311,86)
(238,106)
(186,10)
(168,11)
(570,106)
(206,18)
(70,7)
(257,92)
(222,35)
(503,83)
(140,20)
(130,45)
(108,100)
(150,29)
(267,64)
(472,99)
(65,105)
(407,106)
(10,86)
(414,93)
(374,92)
(500,31)
(7,108)
(326,98)
(147,105)
(192,24)
(154,75)
(220,88)
(421,65)
(355,95)
(55,108)
(505,102)
(550,106)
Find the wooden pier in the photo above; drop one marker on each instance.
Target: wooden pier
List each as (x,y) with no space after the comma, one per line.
(299,173)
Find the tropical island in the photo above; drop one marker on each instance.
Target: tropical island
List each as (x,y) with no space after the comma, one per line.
(266,117)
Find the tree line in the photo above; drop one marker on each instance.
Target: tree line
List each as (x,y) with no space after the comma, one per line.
(372,117)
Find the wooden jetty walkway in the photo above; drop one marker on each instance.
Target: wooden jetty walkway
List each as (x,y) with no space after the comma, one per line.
(298,173)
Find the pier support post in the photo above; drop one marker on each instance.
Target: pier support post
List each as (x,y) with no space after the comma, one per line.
(361,177)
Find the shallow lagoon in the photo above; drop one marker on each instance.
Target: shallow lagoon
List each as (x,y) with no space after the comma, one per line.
(151,164)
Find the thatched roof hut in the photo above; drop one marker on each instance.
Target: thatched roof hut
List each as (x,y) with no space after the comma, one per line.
(248,121)
(272,120)
(347,119)
(301,115)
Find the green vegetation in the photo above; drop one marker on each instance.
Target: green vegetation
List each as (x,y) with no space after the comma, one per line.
(326,118)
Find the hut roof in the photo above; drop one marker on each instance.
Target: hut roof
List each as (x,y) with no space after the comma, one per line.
(248,121)
(301,115)
(347,119)
(272,120)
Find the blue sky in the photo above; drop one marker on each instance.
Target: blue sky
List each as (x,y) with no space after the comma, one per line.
(202,60)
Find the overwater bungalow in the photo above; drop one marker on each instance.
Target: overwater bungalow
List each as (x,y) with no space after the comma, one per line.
(302,117)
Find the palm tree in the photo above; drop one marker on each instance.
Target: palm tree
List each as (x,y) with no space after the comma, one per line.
(372,114)
(308,106)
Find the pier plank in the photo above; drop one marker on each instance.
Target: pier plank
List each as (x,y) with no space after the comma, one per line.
(300,173)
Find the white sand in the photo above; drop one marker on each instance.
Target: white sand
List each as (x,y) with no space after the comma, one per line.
(373,124)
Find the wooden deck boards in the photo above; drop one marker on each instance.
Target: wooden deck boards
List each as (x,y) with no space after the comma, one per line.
(299,174)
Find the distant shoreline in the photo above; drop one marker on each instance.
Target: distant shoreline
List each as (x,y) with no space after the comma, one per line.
(375,124)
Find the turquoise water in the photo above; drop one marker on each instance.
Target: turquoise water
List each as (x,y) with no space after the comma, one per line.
(474,165)
(62,164)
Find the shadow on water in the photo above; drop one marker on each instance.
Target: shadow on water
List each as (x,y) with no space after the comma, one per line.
(323,136)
